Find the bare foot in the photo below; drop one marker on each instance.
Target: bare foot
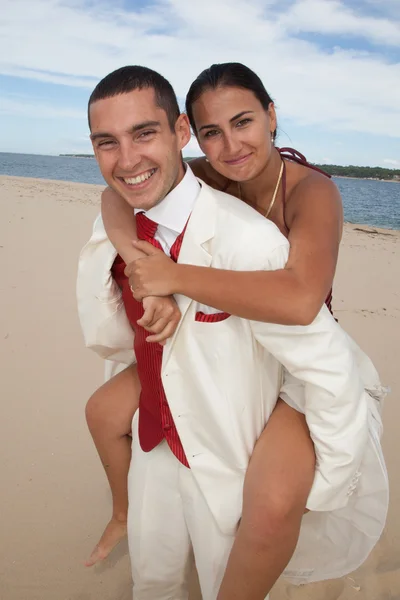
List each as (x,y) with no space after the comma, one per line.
(112,535)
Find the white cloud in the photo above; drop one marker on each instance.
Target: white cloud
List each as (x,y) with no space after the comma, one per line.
(392,163)
(69,80)
(75,43)
(333,17)
(17,107)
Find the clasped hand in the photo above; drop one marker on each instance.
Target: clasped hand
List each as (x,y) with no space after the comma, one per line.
(150,278)
(152,275)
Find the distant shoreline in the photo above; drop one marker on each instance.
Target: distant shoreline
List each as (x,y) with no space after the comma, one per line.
(77,155)
(366,178)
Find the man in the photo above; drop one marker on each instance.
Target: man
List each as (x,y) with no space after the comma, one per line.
(220,376)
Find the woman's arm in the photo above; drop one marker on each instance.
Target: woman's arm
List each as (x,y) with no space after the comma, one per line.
(120,225)
(161,315)
(290,296)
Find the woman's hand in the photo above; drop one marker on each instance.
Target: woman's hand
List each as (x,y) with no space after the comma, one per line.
(161,317)
(154,275)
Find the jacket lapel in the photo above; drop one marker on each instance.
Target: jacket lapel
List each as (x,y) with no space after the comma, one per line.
(195,249)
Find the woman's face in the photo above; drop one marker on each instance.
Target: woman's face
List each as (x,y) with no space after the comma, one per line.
(234,131)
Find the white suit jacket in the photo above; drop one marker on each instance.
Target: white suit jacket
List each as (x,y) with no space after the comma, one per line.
(222,381)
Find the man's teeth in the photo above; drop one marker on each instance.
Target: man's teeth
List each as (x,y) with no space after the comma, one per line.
(139,178)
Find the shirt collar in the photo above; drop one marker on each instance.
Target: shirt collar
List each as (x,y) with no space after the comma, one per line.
(174,211)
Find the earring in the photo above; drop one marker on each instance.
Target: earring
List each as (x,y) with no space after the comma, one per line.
(272,137)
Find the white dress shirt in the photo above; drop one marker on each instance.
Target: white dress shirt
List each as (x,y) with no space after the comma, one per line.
(173,212)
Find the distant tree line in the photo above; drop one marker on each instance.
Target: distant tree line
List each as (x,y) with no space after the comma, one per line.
(361,172)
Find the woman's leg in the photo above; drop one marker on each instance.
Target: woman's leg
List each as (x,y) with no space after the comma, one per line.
(109,414)
(276,488)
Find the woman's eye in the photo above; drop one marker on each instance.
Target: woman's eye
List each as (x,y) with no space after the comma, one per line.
(243,122)
(211,133)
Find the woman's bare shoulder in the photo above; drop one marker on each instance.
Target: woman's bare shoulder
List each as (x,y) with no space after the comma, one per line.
(202,169)
(307,186)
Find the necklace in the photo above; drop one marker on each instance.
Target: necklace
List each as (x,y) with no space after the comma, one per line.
(267,212)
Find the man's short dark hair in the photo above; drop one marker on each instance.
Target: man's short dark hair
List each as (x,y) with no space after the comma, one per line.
(130,78)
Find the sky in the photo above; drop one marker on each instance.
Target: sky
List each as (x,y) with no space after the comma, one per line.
(331,66)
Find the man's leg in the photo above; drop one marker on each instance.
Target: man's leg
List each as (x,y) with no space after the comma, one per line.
(211,547)
(159,542)
(276,488)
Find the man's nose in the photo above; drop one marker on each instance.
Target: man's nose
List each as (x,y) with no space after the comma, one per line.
(128,157)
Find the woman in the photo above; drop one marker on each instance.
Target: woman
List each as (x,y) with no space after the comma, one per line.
(234,120)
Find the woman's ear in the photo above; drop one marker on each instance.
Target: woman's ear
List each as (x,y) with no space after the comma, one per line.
(273,122)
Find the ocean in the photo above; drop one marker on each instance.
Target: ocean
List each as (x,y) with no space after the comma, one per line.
(375,203)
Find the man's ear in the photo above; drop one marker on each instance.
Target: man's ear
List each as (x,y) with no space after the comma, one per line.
(182,130)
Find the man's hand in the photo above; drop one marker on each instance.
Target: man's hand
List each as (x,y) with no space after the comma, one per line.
(161,318)
(154,275)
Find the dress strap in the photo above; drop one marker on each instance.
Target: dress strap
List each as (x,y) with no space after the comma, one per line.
(284,193)
(300,159)
(296,156)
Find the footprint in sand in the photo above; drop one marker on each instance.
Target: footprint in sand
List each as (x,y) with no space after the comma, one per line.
(387,565)
(326,590)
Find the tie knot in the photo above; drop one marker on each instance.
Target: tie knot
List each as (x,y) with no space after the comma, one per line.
(146,228)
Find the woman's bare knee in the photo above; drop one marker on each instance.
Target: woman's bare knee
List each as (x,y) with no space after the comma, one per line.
(114,403)
(97,407)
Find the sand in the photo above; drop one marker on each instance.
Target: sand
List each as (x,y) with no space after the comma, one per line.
(54,498)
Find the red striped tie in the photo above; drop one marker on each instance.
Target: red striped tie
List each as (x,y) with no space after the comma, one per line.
(155,418)
(146,229)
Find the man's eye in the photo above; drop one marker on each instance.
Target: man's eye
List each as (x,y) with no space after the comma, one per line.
(146,134)
(106,143)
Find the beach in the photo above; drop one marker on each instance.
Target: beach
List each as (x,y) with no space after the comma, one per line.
(55,500)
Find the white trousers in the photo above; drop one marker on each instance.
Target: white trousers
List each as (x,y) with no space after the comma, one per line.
(169,525)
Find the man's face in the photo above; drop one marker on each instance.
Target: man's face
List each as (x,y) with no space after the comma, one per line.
(138,154)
